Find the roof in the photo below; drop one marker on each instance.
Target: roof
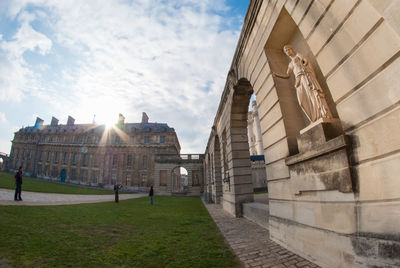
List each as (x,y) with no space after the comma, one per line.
(97,128)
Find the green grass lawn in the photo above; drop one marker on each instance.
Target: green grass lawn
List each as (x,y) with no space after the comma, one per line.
(7,181)
(174,232)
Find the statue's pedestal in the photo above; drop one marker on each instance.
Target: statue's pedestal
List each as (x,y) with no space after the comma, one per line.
(323,160)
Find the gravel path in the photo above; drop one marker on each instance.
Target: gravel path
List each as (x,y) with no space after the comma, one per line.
(46,199)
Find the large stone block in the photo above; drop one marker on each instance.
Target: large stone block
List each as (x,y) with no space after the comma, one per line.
(338,217)
(379,180)
(369,57)
(351,33)
(316,10)
(375,96)
(332,19)
(256,212)
(277,170)
(378,137)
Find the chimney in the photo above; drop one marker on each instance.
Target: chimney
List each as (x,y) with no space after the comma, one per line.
(54,121)
(70,121)
(145,118)
(39,123)
(121,119)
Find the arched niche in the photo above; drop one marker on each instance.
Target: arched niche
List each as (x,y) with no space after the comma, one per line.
(286,32)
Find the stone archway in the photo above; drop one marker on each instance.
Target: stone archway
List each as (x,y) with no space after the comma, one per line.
(166,182)
(179,180)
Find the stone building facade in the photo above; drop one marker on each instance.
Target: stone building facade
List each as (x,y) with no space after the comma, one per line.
(92,154)
(333,185)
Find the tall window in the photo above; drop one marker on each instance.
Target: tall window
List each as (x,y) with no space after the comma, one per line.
(117,140)
(85,160)
(73,174)
(40,156)
(146,139)
(65,158)
(95,176)
(144,161)
(84,175)
(163,178)
(129,160)
(48,156)
(132,139)
(115,160)
(56,157)
(162,139)
(96,160)
(74,158)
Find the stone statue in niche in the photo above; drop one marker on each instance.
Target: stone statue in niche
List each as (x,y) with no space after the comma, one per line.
(310,96)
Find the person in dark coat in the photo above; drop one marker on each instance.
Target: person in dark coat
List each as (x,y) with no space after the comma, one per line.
(18,185)
(116,189)
(151,193)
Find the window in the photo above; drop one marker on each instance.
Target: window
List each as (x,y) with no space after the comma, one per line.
(162,139)
(48,156)
(163,178)
(40,156)
(88,140)
(113,178)
(54,173)
(117,140)
(115,160)
(73,174)
(30,155)
(74,158)
(144,180)
(83,175)
(23,154)
(146,139)
(96,160)
(95,176)
(129,160)
(46,170)
(132,140)
(65,158)
(85,160)
(56,157)
(128,180)
(144,161)
(39,169)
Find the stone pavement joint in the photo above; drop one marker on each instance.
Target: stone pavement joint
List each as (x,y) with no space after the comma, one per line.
(251,244)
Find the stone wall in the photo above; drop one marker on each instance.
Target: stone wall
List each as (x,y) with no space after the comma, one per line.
(354,48)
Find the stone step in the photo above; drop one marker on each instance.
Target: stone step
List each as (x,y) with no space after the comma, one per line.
(257,212)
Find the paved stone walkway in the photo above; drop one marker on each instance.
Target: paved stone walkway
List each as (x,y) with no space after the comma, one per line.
(41,199)
(251,244)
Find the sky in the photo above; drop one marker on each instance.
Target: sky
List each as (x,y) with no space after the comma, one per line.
(98,58)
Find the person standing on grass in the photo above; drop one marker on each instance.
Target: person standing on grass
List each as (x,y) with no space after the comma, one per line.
(18,185)
(116,189)
(151,193)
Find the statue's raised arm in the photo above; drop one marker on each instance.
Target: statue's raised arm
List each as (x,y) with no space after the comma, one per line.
(309,92)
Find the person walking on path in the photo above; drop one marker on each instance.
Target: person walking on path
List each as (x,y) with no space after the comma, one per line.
(18,185)
(116,189)
(151,193)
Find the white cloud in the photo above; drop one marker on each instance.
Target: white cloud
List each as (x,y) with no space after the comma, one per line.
(168,58)
(3,118)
